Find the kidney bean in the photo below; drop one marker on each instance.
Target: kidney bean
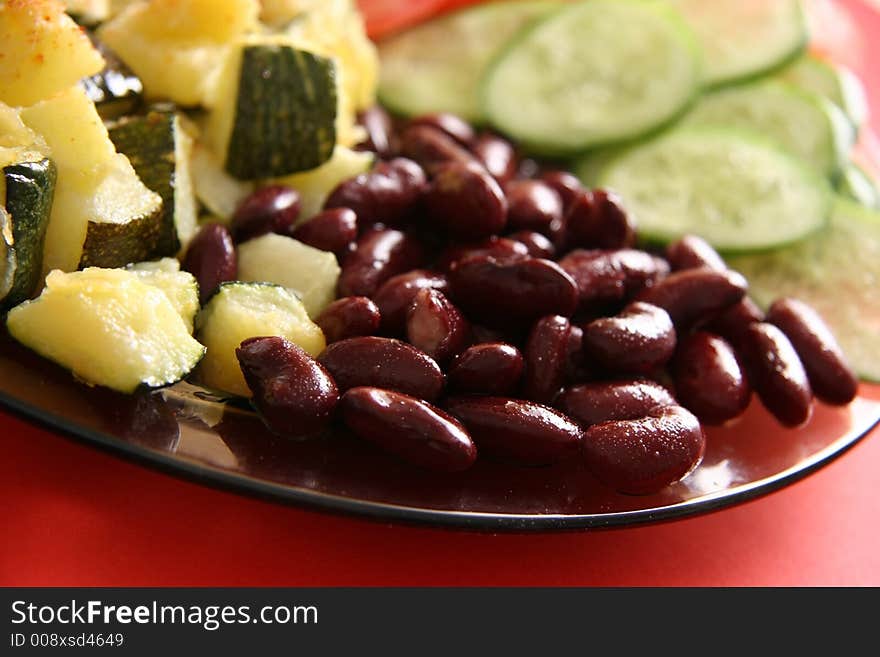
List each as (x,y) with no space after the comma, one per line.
(709,381)
(390,194)
(396,295)
(505,292)
(538,245)
(349,317)
(693,294)
(210,257)
(596,219)
(383,363)
(691,252)
(436,326)
(776,373)
(490,368)
(293,394)
(642,456)
(609,401)
(450,124)
(499,247)
(577,369)
(831,377)
(497,155)
(532,205)
(528,168)
(565,184)
(638,340)
(466,202)
(731,322)
(546,355)
(379,255)
(517,430)
(432,148)
(270,209)
(483,334)
(331,230)
(408,427)
(604,276)
(380,130)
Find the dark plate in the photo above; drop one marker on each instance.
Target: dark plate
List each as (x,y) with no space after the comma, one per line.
(184,431)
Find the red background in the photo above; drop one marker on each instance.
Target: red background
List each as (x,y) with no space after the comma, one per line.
(74,515)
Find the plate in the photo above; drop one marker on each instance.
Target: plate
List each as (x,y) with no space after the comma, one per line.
(186,431)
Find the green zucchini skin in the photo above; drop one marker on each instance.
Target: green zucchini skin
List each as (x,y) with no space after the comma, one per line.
(30,189)
(115,90)
(116,245)
(285,113)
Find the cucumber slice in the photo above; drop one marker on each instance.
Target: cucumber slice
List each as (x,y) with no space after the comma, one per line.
(836,271)
(736,190)
(437,66)
(832,81)
(742,39)
(803,123)
(592,73)
(857,185)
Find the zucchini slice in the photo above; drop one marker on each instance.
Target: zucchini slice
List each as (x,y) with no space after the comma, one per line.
(109,328)
(857,185)
(160,150)
(115,90)
(832,81)
(180,287)
(239,311)
(274,112)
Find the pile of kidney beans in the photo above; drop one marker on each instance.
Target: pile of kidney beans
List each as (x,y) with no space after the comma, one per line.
(488,305)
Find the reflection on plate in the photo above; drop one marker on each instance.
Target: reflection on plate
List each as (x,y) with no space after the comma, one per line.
(186,430)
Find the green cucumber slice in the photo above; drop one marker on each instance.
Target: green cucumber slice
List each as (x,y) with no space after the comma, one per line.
(857,185)
(593,73)
(803,123)
(743,39)
(437,66)
(835,271)
(736,190)
(832,81)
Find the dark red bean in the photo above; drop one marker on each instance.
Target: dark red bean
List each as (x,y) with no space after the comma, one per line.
(330,230)
(497,155)
(436,326)
(390,194)
(709,381)
(565,184)
(293,394)
(694,294)
(731,322)
(546,355)
(408,427)
(396,295)
(210,257)
(607,276)
(776,373)
(489,368)
(642,456)
(532,205)
(483,334)
(609,401)
(377,122)
(498,247)
(692,251)
(638,340)
(379,255)
(596,219)
(270,209)
(577,367)
(466,202)
(831,377)
(383,363)
(449,124)
(349,317)
(538,245)
(504,292)
(517,430)
(432,148)
(528,168)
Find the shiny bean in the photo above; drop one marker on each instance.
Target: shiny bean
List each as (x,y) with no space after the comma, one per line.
(565,184)
(497,155)
(383,363)
(597,219)
(489,368)
(532,205)
(330,230)
(709,381)
(611,401)
(776,373)
(538,245)
(609,276)
(436,326)
(270,209)
(380,130)
(642,456)
(694,294)
(498,247)
(507,292)
(349,317)
(638,340)
(408,427)
(294,395)
(546,355)
(396,295)
(449,124)
(731,322)
(432,148)
(692,251)
(517,430)
(577,367)
(210,257)
(466,202)
(379,255)
(831,376)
